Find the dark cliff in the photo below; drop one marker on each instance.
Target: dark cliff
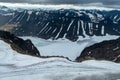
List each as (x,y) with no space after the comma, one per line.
(18,44)
(106,50)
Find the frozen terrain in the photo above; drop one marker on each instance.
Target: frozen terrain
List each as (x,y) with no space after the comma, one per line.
(64,47)
(15,66)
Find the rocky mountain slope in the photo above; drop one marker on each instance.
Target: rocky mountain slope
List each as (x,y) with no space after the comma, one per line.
(61,23)
(65,23)
(106,50)
(19,45)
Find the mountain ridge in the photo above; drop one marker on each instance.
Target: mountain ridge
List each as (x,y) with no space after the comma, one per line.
(62,23)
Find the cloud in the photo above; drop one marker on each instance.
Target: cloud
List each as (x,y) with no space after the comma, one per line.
(105,3)
(99,6)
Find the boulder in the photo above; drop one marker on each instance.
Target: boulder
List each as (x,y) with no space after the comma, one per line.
(18,44)
(106,50)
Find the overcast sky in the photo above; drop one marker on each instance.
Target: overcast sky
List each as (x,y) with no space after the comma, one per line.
(106,3)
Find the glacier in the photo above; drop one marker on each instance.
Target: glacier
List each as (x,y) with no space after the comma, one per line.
(15,66)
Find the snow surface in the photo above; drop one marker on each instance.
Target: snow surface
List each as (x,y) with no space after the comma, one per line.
(15,66)
(65,47)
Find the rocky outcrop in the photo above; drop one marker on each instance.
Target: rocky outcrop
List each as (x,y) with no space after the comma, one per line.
(18,44)
(23,46)
(106,50)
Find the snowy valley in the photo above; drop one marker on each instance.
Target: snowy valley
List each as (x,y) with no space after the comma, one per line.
(58,31)
(15,66)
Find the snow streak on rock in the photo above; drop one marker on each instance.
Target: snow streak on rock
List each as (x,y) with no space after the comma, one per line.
(63,23)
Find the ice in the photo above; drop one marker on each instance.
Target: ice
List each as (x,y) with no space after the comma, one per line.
(70,25)
(8,14)
(102,31)
(29,12)
(44,28)
(15,66)
(65,47)
(91,16)
(83,29)
(115,48)
(37,13)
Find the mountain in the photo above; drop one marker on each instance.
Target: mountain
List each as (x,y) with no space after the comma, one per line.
(61,23)
(19,45)
(88,28)
(106,50)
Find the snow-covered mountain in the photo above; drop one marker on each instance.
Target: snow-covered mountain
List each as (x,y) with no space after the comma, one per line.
(87,26)
(15,66)
(61,23)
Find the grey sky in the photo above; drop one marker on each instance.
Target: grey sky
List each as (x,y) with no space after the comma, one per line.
(105,2)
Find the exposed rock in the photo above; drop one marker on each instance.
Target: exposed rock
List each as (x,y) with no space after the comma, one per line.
(60,23)
(56,57)
(8,27)
(106,50)
(23,46)
(18,44)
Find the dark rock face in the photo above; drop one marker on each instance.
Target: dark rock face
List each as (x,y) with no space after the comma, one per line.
(62,23)
(66,23)
(106,50)
(19,45)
